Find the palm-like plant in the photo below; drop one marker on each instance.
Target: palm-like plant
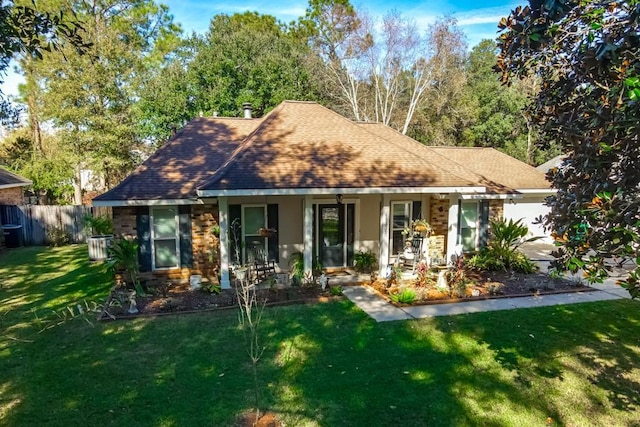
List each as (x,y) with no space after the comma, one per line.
(124,254)
(509,236)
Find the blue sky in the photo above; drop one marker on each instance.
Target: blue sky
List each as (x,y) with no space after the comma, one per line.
(477,19)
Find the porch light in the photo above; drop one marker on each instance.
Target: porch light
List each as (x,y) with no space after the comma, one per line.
(339,198)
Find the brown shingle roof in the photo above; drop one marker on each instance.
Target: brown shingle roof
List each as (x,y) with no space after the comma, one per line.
(188,160)
(497,167)
(305,145)
(302,145)
(10,179)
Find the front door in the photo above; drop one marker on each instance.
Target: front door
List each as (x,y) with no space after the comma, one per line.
(334,231)
(331,235)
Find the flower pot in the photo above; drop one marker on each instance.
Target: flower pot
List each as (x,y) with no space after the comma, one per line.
(420,228)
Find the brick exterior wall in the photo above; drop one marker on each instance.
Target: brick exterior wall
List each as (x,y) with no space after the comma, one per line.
(206,246)
(203,243)
(124,222)
(12,196)
(439,220)
(496,209)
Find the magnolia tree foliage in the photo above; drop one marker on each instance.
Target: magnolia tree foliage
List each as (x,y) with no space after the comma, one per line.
(587,56)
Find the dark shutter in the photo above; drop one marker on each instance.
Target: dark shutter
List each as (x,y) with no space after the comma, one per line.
(484,223)
(235,231)
(186,251)
(273,246)
(416,211)
(144,238)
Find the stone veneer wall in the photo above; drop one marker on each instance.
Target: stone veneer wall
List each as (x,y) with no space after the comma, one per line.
(496,210)
(205,245)
(203,242)
(12,196)
(439,221)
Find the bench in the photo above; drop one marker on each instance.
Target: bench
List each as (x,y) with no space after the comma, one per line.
(263,270)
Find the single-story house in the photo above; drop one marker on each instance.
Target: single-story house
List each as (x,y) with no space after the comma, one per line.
(12,188)
(305,179)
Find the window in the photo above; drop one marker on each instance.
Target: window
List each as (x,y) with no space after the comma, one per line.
(165,238)
(469,226)
(401,218)
(254,218)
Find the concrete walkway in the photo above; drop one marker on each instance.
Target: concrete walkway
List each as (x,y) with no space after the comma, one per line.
(382,311)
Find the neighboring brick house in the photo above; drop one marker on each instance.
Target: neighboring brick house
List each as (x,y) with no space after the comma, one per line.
(305,179)
(12,188)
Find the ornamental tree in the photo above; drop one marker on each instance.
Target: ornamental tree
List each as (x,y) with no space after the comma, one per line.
(586,53)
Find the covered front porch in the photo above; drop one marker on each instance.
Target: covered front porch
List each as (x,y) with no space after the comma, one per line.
(328,228)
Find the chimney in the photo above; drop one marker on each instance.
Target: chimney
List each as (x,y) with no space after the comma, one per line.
(247,110)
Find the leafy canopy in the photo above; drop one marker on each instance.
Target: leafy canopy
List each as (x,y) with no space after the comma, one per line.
(587,54)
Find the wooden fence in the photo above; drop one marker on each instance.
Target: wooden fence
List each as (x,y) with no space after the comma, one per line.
(38,221)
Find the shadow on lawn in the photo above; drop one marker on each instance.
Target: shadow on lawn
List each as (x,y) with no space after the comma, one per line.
(327,364)
(30,282)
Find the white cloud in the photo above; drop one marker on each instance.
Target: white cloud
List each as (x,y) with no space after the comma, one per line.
(488,15)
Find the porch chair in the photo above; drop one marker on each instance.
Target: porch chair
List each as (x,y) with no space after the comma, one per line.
(412,253)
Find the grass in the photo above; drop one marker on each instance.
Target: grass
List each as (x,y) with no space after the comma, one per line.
(325,364)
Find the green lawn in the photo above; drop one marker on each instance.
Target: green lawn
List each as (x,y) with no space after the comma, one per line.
(325,364)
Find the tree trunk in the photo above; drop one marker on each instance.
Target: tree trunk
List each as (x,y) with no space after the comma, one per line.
(77,186)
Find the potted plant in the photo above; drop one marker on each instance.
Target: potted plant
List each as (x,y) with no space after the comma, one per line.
(100,236)
(364,261)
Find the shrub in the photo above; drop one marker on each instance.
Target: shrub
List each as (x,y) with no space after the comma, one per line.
(502,252)
(296,265)
(124,254)
(57,236)
(364,261)
(98,225)
(405,296)
(336,290)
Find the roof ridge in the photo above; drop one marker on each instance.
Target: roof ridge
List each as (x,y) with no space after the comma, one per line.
(502,154)
(160,149)
(425,147)
(246,142)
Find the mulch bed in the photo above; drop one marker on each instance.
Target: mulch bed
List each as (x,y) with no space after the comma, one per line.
(486,285)
(180,298)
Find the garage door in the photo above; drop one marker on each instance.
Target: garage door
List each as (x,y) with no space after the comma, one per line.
(528,210)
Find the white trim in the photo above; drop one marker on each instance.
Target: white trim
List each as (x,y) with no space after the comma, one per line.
(385,229)
(491,196)
(23,184)
(345,191)
(223,222)
(409,211)
(537,191)
(163,202)
(153,240)
(307,235)
(453,227)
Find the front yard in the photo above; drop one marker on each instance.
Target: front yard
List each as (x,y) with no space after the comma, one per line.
(325,364)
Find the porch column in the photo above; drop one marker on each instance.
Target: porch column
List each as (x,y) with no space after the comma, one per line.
(453,226)
(385,213)
(223,223)
(307,234)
